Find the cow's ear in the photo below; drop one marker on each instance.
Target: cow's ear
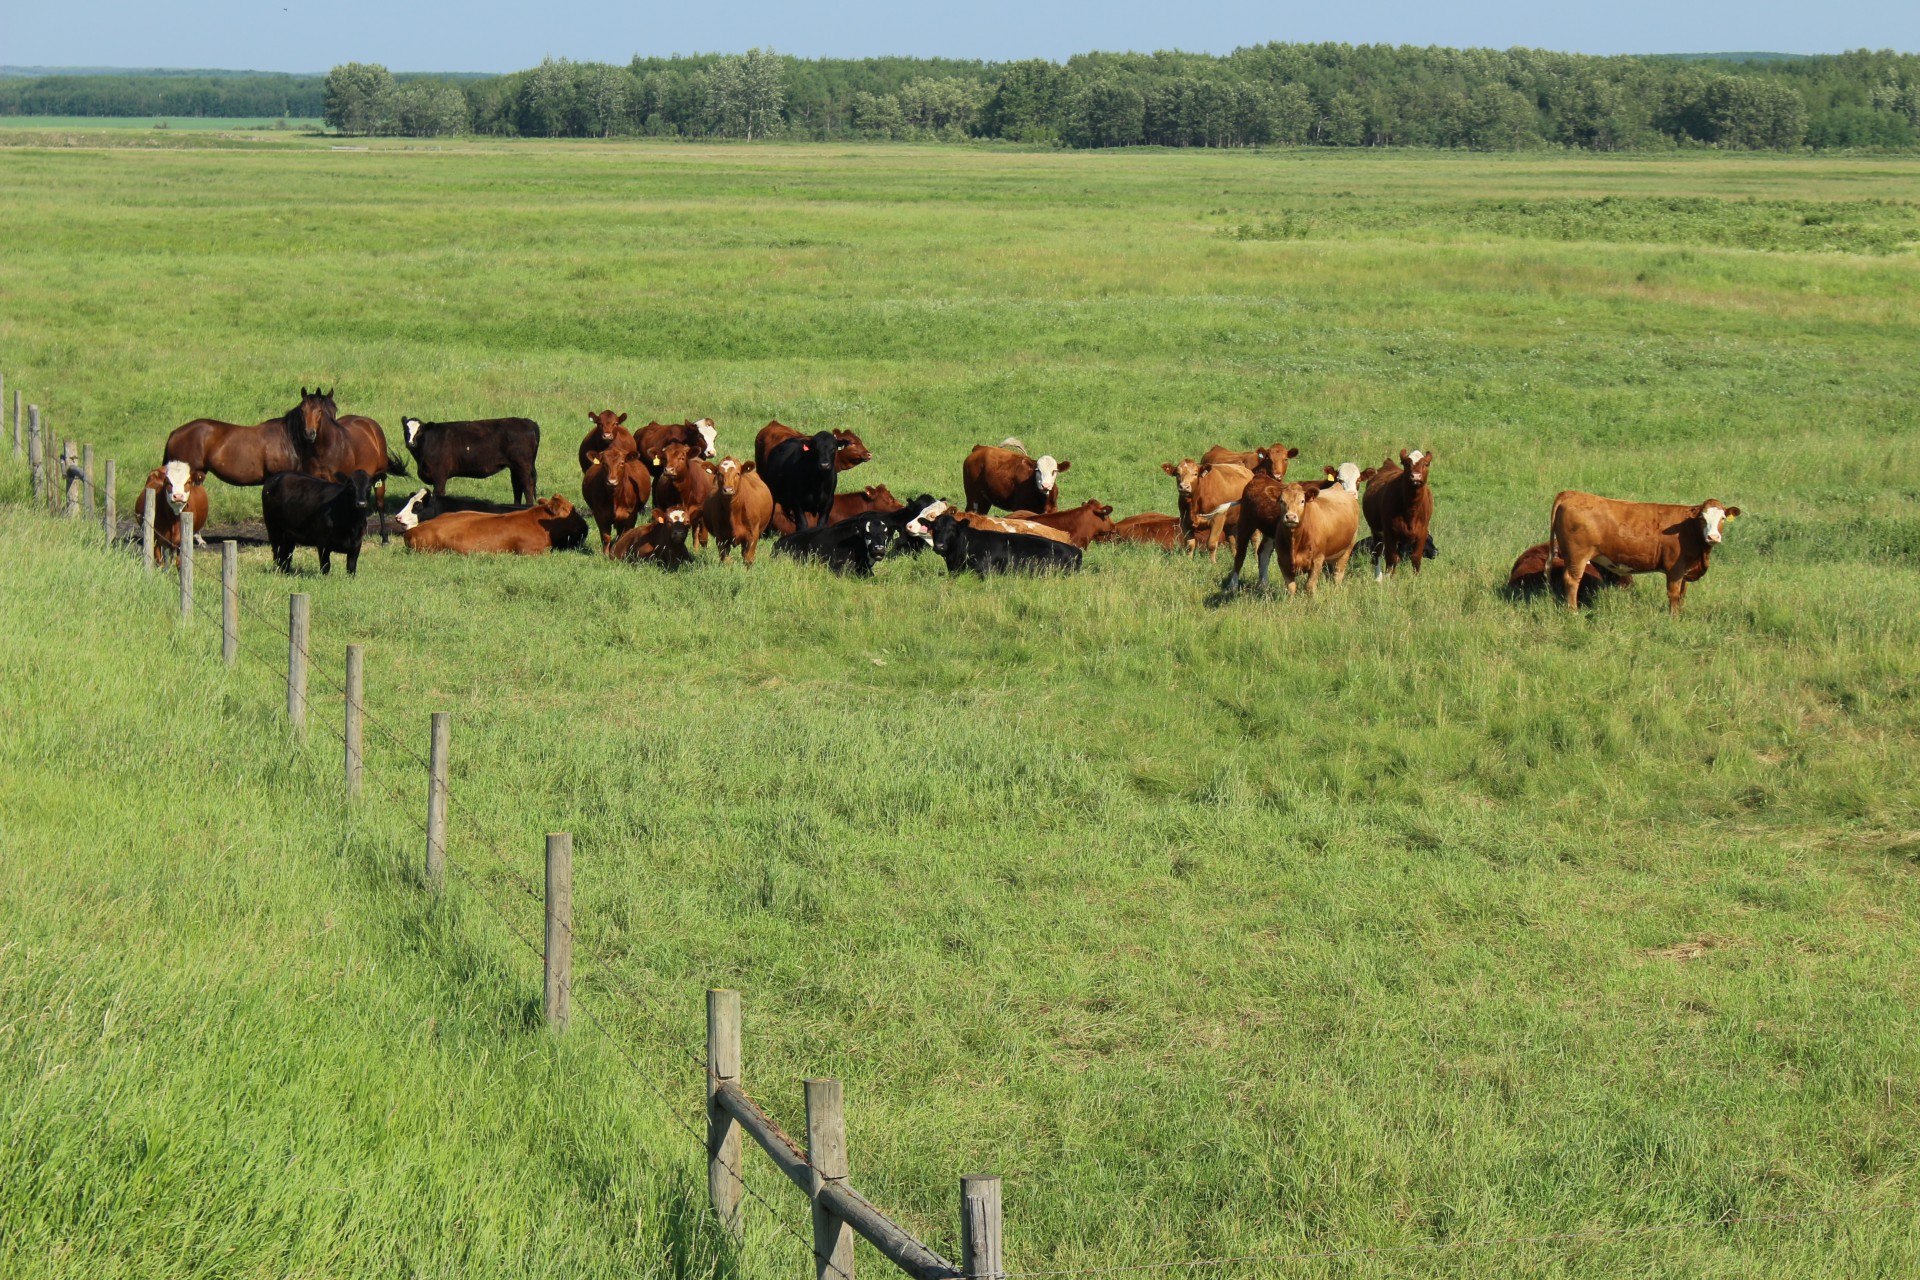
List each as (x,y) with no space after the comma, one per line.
(621,418)
(1331,473)
(1406,458)
(747,466)
(1293,452)
(1699,508)
(1732,512)
(1310,494)
(1369,473)
(1169,468)
(1063,466)
(199,476)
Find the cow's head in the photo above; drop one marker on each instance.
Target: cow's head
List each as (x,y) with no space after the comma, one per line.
(315,413)
(949,536)
(605,421)
(704,428)
(879,498)
(1293,503)
(410,430)
(409,515)
(853,451)
(1273,460)
(1046,472)
(180,481)
(1713,517)
(1350,477)
(818,452)
(1185,473)
(920,523)
(726,476)
(556,507)
(876,534)
(1415,463)
(360,485)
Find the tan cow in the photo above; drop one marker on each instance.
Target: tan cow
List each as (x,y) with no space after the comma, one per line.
(1634,537)
(738,510)
(1010,524)
(1082,524)
(1208,495)
(1313,525)
(534,531)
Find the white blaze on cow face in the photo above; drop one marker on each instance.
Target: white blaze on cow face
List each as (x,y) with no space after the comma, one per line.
(179,475)
(412,428)
(921,526)
(1711,516)
(408,518)
(1347,474)
(707,436)
(1046,471)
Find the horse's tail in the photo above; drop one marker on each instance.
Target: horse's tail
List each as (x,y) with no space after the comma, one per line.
(396,465)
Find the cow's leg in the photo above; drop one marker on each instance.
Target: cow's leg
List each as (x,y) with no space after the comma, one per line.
(1419,549)
(353,559)
(326,561)
(1232,583)
(1571,574)
(1676,593)
(1313,575)
(1340,566)
(1374,550)
(1266,561)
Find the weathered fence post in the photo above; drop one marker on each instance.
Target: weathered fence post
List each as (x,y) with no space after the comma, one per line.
(147,497)
(229,601)
(186,566)
(827,1154)
(980,1219)
(109,521)
(36,451)
(725,1177)
(356,696)
(86,479)
(558,997)
(70,468)
(437,800)
(53,466)
(16,413)
(299,613)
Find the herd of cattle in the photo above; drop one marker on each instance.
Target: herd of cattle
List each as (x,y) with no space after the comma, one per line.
(323,475)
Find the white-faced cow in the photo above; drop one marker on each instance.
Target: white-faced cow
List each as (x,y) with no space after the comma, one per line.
(1635,537)
(1004,476)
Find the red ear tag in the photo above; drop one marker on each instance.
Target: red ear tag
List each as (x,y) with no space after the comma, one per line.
(806,448)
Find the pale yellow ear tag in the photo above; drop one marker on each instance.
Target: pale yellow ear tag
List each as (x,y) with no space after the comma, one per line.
(656,461)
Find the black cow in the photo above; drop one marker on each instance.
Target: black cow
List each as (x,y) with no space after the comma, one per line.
(328,515)
(800,474)
(985,551)
(857,543)
(476,450)
(904,539)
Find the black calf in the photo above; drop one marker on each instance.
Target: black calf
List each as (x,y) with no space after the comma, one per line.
(327,515)
(987,551)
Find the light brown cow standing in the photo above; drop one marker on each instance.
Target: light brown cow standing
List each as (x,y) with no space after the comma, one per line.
(1208,494)
(738,510)
(173,489)
(1634,537)
(534,531)
(1312,524)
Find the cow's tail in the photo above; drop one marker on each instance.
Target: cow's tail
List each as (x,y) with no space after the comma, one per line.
(1553,525)
(396,465)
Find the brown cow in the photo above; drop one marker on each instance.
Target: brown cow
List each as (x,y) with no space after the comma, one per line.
(999,476)
(1082,524)
(738,510)
(1208,494)
(1539,569)
(1148,526)
(173,489)
(1010,524)
(607,433)
(851,454)
(615,487)
(543,527)
(685,480)
(1399,508)
(1244,457)
(1314,525)
(875,497)
(653,439)
(1635,537)
(661,541)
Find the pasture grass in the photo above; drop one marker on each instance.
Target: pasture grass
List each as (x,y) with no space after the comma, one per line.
(1402,916)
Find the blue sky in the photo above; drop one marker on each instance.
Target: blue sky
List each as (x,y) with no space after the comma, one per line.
(494,35)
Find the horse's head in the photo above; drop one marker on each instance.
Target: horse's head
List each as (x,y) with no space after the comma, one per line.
(316,409)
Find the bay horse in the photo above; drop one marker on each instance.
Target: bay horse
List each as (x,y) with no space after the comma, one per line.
(310,438)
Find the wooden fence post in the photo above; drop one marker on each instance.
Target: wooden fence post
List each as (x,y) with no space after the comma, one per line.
(827,1154)
(356,697)
(299,613)
(229,600)
(186,566)
(980,1219)
(36,451)
(86,480)
(16,413)
(437,801)
(558,997)
(53,466)
(109,520)
(146,527)
(725,1177)
(70,468)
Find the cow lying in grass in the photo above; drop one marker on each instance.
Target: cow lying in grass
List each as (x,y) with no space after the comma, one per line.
(552,525)
(987,551)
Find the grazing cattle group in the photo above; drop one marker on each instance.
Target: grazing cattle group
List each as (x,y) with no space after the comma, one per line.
(660,496)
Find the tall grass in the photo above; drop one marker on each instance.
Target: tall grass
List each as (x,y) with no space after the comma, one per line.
(1403,916)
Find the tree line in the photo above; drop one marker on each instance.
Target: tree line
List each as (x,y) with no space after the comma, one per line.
(1273,94)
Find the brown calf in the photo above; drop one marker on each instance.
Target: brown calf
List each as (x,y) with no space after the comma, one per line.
(615,487)
(534,531)
(661,541)
(1635,537)
(1148,526)
(1399,508)
(738,510)
(1540,568)
(1245,457)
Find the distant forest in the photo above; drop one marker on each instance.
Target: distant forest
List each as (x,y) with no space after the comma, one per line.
(1268,95)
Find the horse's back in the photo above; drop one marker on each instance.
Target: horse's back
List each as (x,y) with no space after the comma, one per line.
(236,453)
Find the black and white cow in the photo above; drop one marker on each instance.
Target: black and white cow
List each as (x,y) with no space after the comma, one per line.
(327,515)
(800,474)
(853,545)
(985,551)
(476,450)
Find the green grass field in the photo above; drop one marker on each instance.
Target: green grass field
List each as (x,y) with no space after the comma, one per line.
(1399,918)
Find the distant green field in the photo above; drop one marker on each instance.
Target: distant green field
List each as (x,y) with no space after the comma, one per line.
(1399,919)
(243,125)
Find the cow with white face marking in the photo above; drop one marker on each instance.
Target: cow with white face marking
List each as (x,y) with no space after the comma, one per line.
(1350,477)
(1634,537)
(178,494)
(653,440)
(1007,478)
(474,450)
(1398,505)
